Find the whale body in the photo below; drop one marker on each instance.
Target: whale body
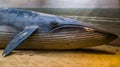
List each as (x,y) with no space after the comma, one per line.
(35,30)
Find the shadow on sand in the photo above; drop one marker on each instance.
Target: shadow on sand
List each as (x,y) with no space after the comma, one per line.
(73,51)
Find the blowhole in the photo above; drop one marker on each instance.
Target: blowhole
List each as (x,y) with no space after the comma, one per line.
(54,24)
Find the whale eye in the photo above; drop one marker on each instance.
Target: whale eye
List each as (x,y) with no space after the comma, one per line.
(54,24)
(88,29)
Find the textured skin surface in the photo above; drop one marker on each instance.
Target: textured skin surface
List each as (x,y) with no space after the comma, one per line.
(54,32)
(19,19)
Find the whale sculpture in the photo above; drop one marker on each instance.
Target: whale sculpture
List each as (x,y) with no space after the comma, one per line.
(35,30)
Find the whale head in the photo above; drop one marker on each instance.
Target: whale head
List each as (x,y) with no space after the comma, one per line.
(79,33)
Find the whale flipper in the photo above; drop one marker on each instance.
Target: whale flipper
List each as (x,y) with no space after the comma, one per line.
(19,38)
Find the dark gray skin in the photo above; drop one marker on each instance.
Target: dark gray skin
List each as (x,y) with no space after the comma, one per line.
(53,32)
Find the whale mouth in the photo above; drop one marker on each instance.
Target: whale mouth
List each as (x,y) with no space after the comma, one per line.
(71,28)
(86,33)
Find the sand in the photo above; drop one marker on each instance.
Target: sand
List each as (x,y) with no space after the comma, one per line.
(102,56)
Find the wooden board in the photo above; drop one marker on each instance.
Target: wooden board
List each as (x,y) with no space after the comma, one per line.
(102,56)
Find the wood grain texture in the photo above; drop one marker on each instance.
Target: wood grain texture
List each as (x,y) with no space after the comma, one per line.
(106,23)
(103,56)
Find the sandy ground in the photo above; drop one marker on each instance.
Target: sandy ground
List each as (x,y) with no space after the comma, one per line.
(103,56)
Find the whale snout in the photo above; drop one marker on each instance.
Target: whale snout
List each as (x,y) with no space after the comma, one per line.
(108,36)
